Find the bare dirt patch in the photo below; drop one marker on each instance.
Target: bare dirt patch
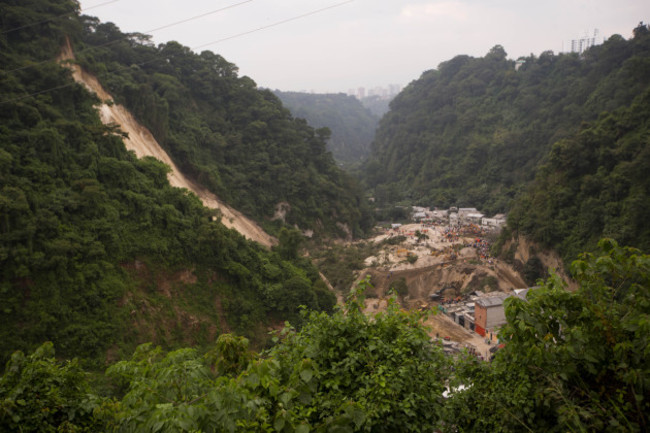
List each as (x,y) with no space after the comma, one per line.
(451,266)
(142,142)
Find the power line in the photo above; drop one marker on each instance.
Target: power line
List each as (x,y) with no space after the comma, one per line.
(57,17)
(277,23)
(297,17)
(114,41)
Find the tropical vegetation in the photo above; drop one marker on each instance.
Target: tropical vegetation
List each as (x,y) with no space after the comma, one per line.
(572,361)
(98,253)
(473,132)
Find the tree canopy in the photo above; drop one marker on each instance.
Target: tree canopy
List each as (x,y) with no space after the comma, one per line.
(593,184)
(98,253)
(474,131)
(571,361)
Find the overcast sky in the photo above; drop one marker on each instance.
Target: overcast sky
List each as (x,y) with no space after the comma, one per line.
(365,42)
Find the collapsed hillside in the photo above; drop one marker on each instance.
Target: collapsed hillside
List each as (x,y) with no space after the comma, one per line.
(98,252)
(140,140)
(448,268)
(224,133)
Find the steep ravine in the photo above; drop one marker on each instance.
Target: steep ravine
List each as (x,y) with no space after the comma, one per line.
(142,142)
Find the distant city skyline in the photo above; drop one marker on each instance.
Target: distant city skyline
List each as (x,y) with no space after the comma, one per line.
(388,92)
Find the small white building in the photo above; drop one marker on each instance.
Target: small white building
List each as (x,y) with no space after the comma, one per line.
(497,221)
(454,221)
(440,214)
(474,218)
(419,216)
(464,211)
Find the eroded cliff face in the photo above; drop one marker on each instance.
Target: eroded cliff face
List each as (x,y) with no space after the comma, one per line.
(142,142)
(523,250)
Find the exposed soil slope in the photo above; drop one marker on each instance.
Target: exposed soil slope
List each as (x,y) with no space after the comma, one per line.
(435,270)
(525,249)
(142,142)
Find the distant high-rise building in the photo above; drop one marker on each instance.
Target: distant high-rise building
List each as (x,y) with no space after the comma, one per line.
(379,92)
(582,44)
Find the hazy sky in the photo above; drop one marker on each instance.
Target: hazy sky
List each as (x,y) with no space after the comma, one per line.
(365,42)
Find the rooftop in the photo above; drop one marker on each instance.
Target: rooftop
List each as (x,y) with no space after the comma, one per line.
(492,301)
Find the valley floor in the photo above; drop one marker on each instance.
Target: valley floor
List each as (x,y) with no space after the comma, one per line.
(450,262)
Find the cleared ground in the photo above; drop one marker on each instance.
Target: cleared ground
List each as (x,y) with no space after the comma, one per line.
(446,264)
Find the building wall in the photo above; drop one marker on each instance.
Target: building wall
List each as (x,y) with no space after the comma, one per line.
(480,316)
(496,316)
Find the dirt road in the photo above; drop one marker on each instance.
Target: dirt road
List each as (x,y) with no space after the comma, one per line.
(142,142)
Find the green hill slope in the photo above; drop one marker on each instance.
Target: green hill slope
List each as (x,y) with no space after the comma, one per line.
(97,252)
(473,131)
(223,131)
(595,184)
(352,125)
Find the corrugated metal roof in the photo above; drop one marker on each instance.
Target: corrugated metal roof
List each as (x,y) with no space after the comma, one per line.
(491,301)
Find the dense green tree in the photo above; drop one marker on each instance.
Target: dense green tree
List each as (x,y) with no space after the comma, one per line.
(572,361)
(92,239)
(473,131)
(40,394)
(593,185)
(224,132)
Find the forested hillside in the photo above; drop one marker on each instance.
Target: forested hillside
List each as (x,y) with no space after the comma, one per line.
(351,124)
(97,252)
(220,129)
(474,131)
(594,184)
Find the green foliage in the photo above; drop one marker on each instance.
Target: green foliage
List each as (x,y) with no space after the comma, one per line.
(91,237)
(594,184)
(400,287)
(344,372)
(351,124)
(341,263)
(376,105)
(39,394)
(174,392)
(224,132)
(289,243)
(573,361)
(394,240)
(412,258)
(421,236)
(473,132)
(230,355)
(351,372)
(533,270)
